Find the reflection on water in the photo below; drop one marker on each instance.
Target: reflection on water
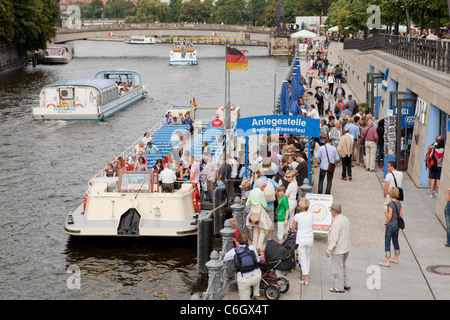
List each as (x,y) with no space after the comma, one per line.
(46,167)
(127,268)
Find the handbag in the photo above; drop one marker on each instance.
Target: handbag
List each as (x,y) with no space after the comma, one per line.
(254,217)
(400,221)
(400,190)
(331,166)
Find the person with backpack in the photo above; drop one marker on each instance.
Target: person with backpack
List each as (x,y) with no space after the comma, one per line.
(246,260)
(436,168)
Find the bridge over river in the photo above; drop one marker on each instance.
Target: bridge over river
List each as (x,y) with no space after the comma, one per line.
(264,36)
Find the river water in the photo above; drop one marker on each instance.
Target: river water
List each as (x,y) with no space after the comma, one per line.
(46,167)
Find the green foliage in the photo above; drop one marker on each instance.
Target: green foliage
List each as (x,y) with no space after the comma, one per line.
(353,13)
(150,11)
(230,12)
(7,20)
(34,23)
(119,9)
(194,11)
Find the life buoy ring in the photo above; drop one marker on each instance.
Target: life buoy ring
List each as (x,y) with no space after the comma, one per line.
(196,199)
(79,104)
(85,201)
(51,104)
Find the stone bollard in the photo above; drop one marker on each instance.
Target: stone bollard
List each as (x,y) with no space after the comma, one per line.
(215,287)
(238,212)
(306,187)
(227,244)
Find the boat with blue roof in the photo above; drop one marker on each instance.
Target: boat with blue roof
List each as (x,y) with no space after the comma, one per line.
(90,99)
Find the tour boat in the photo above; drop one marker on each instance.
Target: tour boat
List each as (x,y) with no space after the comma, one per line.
(89,99)
(133,203)
(141,40)
(183,55)
(55,54)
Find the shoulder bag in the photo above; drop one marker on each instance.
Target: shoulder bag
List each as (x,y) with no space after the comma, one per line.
(400,190)
(400,221)
(331,166)
(255,215)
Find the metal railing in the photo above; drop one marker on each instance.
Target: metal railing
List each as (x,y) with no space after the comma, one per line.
(430,53)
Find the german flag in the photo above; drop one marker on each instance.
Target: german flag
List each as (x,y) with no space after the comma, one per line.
(236,60)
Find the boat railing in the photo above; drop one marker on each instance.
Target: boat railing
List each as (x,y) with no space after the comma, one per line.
(129,150)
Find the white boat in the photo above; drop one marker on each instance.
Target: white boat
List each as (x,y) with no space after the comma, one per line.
(89,99)
(55,54)
(182,55)
(133,203)
(141,40)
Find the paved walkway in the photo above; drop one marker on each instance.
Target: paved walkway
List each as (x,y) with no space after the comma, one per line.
(420,245)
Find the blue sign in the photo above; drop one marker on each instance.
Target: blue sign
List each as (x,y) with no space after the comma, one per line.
(278,124)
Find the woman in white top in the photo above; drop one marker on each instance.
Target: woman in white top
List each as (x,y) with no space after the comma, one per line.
(305,237)
(291,193)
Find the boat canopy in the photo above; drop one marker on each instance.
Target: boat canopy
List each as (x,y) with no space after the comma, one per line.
(100,84)
(124,76)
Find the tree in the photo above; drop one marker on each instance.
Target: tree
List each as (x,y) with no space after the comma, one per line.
(7,20)
(230,12)
(150,11)
(194,11)
(174,9)
(34,23)
(119,9)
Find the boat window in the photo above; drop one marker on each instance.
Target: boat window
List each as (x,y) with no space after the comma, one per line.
(135,181)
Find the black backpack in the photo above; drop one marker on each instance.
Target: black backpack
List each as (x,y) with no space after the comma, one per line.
(245,259)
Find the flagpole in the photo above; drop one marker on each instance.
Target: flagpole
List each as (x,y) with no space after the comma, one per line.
(225,105)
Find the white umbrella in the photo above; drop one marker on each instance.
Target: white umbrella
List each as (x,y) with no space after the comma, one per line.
(303,34)
(334,29)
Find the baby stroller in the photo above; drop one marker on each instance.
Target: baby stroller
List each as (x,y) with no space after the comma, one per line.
(277,257)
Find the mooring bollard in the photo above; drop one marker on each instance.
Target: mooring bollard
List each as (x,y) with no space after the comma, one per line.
(238,212)
(205,237)
(227,244)
(215,287)
(306,187)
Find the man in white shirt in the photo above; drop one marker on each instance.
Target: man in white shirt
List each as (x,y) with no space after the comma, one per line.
(167,178)
(312,113)
(389,181)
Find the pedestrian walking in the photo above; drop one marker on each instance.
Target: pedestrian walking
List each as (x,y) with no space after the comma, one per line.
(435,171)
(394,178)
(369,137)
(257,203)
(394,210)
(338,248)
(327,154)
(282,212)
(304,221)
(345,150)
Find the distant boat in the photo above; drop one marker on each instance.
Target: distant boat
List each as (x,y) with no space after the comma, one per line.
(89,99)
(141,40)
(56,54)
(183,55)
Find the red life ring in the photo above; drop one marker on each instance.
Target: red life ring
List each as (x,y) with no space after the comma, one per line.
(196,199)
(51,104)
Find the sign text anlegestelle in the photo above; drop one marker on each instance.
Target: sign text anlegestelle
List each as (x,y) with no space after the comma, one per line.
(278,124)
